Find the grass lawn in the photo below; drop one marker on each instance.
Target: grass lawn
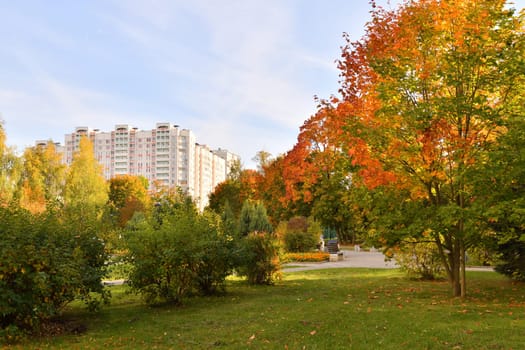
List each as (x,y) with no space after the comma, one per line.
(322,309)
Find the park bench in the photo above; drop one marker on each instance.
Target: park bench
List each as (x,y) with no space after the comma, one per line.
(332,246)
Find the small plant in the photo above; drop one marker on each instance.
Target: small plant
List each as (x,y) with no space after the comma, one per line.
(419,259)
(260,262)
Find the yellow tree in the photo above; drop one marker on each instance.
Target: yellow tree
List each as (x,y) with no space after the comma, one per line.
(128,194)
(43,177)
(86,190)
(425,92)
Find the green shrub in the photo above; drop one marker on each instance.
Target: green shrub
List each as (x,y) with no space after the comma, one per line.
(260,264)
(118,269)
(43,266)
(186,252)
(301,235)
(419,259)
(216,254)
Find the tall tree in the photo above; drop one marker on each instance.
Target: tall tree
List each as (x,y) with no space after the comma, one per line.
(425,92)
(226,193)
(43,177)
(317,172)
(254,219)
(9,170)
(86,190)
(262,159)
(235,190)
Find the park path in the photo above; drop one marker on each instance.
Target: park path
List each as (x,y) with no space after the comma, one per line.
(352,258)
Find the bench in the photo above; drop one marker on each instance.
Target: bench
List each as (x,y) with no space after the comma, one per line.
(332,246)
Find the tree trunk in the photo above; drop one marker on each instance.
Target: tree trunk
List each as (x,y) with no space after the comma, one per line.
(455,267)
(451,261)
(462,269)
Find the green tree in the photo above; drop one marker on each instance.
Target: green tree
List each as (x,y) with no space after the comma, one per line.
(85,198)
(258,247)
(254,218)
(229,192)
(10,169)
(331,204)
(500,185)
(229,221)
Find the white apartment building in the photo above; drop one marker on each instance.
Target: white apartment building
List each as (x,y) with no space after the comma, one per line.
(167,154)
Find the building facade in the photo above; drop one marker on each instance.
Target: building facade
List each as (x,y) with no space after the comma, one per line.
(166,154)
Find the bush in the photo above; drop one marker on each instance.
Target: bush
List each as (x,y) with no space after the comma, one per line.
(301,235)
(419,259)
(186,252)
(512,259)
(216,252)
(260,263)
(44,266)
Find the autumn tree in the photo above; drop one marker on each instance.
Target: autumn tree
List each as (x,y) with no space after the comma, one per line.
(43,177)
(128,194)
(235,190)
(317,172)
(425,94)
(272,191)
(86,190)
(262,159)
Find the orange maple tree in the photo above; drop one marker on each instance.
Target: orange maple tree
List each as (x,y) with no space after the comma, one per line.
(423,96)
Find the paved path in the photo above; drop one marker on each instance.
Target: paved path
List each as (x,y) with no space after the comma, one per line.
(351,259)
(356,259)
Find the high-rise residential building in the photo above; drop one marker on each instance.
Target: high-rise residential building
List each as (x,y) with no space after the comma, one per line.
(167,154)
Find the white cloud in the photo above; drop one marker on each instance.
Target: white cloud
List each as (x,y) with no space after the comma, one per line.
(245,65)
(232,71)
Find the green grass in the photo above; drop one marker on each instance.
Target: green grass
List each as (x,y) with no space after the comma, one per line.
(322,309)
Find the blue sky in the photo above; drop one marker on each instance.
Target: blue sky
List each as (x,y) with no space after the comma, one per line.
(241,74)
